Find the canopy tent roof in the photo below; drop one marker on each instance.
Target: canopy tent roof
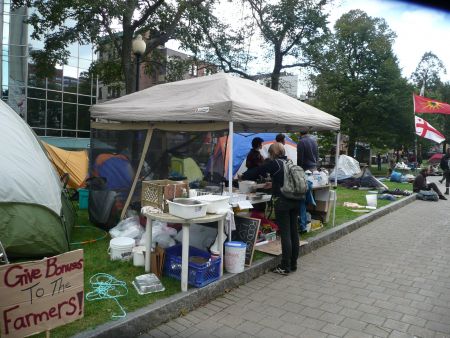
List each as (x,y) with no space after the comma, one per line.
(219,99)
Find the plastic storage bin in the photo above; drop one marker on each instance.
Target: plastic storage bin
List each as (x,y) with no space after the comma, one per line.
(199,275)
(187,208)
(83,198)
(215,203)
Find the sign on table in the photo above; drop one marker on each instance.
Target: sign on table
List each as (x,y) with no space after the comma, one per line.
(41,295)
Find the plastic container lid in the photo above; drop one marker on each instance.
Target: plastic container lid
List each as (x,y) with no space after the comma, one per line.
(122,242)
(236,244)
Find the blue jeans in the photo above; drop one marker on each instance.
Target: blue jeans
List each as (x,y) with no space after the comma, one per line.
(309,199)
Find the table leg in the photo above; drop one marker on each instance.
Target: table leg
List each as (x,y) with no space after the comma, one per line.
(148,244)
(185,258)
(220,239)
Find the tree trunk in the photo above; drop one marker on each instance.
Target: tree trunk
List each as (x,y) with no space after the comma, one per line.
(275,77)
(129,71)
(351,145)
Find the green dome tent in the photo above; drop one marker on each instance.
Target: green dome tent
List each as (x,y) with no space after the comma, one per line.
(35,216)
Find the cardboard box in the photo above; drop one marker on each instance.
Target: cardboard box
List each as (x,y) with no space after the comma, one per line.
(321,206)
(157,261)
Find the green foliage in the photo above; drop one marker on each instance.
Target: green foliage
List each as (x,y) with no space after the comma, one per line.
(61,22)
(428,72)
(290,30)
(360,82)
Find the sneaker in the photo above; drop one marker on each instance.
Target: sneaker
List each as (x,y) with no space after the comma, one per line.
(279,270)
(442,197)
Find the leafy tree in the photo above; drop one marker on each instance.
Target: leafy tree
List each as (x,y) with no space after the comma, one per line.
(360,82)
(62,22)
(427,75)
(292,33)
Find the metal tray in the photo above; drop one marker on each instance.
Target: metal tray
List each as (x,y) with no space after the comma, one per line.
(148,283)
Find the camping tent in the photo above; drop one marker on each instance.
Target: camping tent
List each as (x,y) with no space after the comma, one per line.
(35,220)
(74,163)
(241,146)
(216,102)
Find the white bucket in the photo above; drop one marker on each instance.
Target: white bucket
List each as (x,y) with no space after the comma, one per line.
(371,200)
(139,255)
(120,248)
(234,256)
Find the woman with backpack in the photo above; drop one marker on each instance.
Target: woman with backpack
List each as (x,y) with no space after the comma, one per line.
(286,210)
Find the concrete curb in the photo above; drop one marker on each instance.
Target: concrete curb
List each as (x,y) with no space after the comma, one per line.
(151,316)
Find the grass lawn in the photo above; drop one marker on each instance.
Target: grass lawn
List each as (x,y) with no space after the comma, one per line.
(97,261)
(344,214)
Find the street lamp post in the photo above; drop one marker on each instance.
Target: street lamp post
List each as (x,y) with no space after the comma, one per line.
(138,46)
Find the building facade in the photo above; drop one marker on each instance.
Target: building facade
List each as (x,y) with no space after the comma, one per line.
(160,70)
(56,108)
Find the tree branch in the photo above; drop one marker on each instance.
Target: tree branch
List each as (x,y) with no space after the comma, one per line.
(149,11)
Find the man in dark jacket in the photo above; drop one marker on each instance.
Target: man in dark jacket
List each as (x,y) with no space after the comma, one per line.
(445,166)
(254,157)
(307,152)
(420,183)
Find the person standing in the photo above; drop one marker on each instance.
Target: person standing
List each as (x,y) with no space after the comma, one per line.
(445,166)
(307,152)
(307,156)
(280,138)
(286,210)
(254,157)
(379,161)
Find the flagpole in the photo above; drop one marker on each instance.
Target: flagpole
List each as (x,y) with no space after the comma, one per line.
(414,131)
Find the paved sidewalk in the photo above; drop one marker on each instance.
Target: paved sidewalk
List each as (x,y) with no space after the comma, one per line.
(389,278)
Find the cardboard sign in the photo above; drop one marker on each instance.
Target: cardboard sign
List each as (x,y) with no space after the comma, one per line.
(41,295)
(247,232)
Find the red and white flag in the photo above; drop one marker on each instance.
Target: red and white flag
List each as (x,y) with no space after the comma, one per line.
(425,105)
(426,130)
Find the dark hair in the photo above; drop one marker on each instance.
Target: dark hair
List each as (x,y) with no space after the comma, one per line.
(280,138)
(256,142)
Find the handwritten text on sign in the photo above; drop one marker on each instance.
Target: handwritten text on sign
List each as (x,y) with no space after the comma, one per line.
(38,296)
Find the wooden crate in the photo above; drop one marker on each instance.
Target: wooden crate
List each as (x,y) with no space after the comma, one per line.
(155,193)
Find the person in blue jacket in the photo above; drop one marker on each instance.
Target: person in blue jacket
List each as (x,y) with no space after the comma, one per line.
(286,210)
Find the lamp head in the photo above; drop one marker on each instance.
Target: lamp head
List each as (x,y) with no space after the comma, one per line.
(138,46)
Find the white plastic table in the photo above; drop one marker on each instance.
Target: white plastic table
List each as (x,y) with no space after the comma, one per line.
(185,250)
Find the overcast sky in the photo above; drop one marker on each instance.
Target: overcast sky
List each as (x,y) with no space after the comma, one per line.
(419,29)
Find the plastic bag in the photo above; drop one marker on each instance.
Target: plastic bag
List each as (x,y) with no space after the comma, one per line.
(129,227)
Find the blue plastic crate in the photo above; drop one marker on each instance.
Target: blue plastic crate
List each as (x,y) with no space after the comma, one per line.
(199,275)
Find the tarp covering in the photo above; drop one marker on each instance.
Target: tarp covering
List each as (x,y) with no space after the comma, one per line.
(217,98)
(242,143)
(74,163)
(347,167)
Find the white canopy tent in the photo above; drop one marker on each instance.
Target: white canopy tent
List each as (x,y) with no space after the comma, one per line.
(216,102)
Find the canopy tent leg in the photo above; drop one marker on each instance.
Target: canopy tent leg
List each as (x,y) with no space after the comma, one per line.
(338,141)
(230,157)
(138,171)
